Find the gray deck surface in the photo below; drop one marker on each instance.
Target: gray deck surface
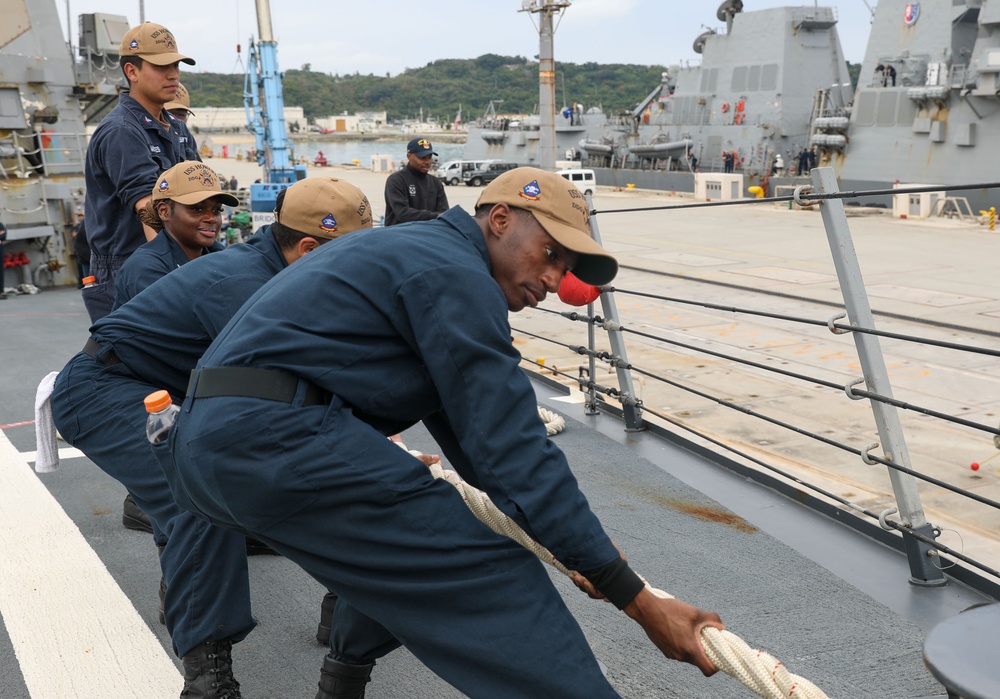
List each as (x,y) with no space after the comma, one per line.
(689,527)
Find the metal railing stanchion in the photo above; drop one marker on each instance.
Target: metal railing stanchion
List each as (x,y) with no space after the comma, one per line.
(876,377)
(631,407)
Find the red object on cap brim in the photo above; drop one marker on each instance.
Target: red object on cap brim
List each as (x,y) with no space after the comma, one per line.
(575,292)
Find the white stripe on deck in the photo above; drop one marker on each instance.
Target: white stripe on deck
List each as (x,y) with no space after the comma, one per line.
(64,453)
(74,632)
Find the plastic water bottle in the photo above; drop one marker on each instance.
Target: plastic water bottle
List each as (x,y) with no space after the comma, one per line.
(162,415)
(89,282)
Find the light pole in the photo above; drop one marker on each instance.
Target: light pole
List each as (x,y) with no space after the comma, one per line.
(546,77)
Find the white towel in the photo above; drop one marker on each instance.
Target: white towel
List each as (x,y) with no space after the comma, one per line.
(47,453)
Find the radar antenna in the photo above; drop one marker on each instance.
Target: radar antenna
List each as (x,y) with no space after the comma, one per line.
(699,43)
(727,10)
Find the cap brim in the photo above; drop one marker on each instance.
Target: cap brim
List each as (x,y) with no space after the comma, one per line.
(198,197)
(166,59)
(594,265)
(170,106)
(423,154)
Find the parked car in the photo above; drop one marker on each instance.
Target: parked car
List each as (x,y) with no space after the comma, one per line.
(583,179)
(453,171)
(487,173)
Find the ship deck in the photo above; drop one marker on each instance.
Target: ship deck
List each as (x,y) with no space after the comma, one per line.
(833,605)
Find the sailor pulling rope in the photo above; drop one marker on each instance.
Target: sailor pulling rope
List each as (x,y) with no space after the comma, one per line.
(758,670)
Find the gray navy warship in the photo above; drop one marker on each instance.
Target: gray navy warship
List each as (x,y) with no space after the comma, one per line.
(48,94)
(775,82)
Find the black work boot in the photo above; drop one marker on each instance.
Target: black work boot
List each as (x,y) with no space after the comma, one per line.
(134,518)
(208,672)
(326,618)
(259,548)
(342,681)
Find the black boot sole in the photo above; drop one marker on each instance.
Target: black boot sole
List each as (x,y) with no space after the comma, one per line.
(259,548)
(136,525)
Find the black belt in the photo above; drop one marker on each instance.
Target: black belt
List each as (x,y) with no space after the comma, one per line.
(107,358)
(247,382)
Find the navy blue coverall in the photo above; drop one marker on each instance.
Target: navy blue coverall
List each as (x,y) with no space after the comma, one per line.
(400,325)
(149,262)
(128,151)
(157,338)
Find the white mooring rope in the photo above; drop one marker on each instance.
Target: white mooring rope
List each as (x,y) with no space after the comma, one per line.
(554,422)
(759,671)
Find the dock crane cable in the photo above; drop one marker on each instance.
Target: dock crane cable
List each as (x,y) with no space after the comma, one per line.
(756,669)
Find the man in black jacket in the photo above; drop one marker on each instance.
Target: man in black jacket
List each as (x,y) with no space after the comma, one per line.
(411,194)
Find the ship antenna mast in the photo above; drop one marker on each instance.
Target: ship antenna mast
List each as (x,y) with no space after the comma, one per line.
(545,9)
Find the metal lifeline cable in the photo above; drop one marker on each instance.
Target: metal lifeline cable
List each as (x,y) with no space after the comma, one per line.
(614,393)
(820,438)
(798,430)
(812,321)
(590,384)
(861,393)
(759,671)
(901,528)
(799,197)
(804,299)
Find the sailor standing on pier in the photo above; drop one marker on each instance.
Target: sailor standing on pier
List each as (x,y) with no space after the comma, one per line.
(411,194)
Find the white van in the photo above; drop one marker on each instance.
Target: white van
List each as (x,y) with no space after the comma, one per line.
(583,179)
(453,171)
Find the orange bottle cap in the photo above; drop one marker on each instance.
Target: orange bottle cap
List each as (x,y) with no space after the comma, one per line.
(89,280)
(155,402)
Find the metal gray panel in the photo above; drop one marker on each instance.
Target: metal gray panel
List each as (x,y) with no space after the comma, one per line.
(990,12)
(11,110)
(864,107)
(887,102)
(907,111)
(739,83)
(965,134)
(769,77)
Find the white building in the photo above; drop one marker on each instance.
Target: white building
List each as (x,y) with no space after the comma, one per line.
(362,122)
(209,119)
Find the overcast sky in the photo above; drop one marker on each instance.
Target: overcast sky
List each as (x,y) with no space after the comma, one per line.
(389,36)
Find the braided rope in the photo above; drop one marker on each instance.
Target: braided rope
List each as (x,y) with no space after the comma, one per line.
(758,670)
(554,422)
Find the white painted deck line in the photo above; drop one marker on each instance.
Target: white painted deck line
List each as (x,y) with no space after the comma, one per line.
(64,453)
(74,632)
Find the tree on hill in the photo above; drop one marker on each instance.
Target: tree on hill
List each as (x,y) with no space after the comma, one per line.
(440,86)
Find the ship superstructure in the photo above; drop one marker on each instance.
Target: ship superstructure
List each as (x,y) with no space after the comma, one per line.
(763,80)
(927,108)
(47,96)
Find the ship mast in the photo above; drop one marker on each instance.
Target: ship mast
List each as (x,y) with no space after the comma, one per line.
(545,9)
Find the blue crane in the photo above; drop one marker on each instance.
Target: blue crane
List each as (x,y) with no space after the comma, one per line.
(265,107)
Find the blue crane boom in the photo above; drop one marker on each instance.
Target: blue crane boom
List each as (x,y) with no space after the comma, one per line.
(265,106)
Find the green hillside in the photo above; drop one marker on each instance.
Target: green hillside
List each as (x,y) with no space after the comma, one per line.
(440,87)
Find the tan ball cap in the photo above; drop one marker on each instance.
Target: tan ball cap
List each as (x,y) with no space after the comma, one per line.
(182,100)
(561,209)
(154,43)
(191,182)
(325,207)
